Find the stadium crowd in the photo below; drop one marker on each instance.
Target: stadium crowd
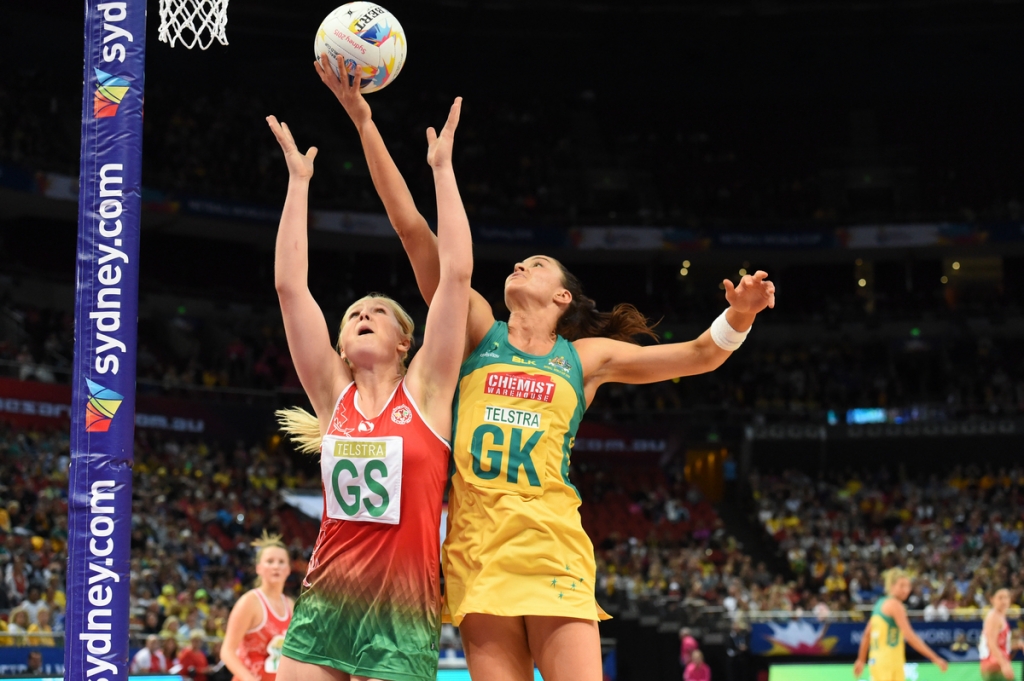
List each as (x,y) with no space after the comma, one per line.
(935,378)
(958,535)
(195,510)
(197,505)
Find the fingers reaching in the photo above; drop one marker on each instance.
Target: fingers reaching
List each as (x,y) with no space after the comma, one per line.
(749,288)
(439,145)
(353,82)
(286,140)
(453,116)
(281,132)
(333,79)
(323,68)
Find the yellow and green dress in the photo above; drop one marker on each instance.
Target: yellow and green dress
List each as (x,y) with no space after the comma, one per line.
(887,652)
(515,543)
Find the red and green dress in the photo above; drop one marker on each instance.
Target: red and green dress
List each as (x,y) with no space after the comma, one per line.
(371,604)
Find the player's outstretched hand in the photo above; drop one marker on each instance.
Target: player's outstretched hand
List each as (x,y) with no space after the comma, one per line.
(300,166)
(346,89)
(753,294)
(439,148)
(942,665)
(858,669)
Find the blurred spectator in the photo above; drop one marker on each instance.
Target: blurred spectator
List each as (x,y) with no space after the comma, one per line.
(34,663)
(55,598)
(687,644)
(192,659)
(172,629)
(697,670)
(738,651)
(152,623)
(18,624)
(42,626)
(32,604)
(150,659)
(169,647)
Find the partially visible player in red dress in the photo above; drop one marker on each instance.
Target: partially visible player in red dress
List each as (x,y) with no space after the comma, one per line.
(258,622)
(995,647)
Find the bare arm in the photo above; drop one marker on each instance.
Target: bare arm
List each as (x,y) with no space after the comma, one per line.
(410,225)
(610,361)
(435,369)
(862,652)
(246,615)
(320,368)
(896,610)
(419,242)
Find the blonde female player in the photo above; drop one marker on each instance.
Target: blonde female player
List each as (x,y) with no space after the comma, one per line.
(259,620)
(371,608)
(519,569)
(886,631)
(996,646)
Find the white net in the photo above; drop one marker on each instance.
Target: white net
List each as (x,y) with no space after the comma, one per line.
(193,22)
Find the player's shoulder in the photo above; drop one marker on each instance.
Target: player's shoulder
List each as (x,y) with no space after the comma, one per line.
(250,601)
(596,348)
(891,606)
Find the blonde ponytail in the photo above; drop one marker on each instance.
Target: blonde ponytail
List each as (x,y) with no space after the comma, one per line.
(301,427)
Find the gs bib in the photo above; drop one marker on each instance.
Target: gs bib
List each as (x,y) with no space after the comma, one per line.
(362,478)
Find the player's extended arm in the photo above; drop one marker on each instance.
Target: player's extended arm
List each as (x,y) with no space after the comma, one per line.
(410,225)
(318,365)
(610,361)
(899,613)
(434,372)
(862,652)
(419,242)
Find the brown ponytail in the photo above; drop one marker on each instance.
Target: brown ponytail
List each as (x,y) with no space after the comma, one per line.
(582,320)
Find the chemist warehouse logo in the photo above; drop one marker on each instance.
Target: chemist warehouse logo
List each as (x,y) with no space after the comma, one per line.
(110,90)
(103,404)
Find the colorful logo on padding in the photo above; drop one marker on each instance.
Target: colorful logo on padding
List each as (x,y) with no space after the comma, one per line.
(103,404)
(800,638)
(109,93)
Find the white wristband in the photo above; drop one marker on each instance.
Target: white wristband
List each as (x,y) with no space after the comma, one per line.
(726,337)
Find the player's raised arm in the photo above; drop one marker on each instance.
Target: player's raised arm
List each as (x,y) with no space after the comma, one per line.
(318,365)
(408,222)
(434,371)
(610,361)
(895,609)
(418,240)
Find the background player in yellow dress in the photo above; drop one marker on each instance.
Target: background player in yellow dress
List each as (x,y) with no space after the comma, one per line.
(519,569)
(888,630)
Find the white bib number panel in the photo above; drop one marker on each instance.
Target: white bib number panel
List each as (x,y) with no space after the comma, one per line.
(362,478)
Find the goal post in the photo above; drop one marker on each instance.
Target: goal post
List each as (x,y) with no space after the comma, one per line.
(106,320)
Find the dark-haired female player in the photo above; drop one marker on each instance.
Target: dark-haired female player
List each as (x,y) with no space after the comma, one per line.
(519,569)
